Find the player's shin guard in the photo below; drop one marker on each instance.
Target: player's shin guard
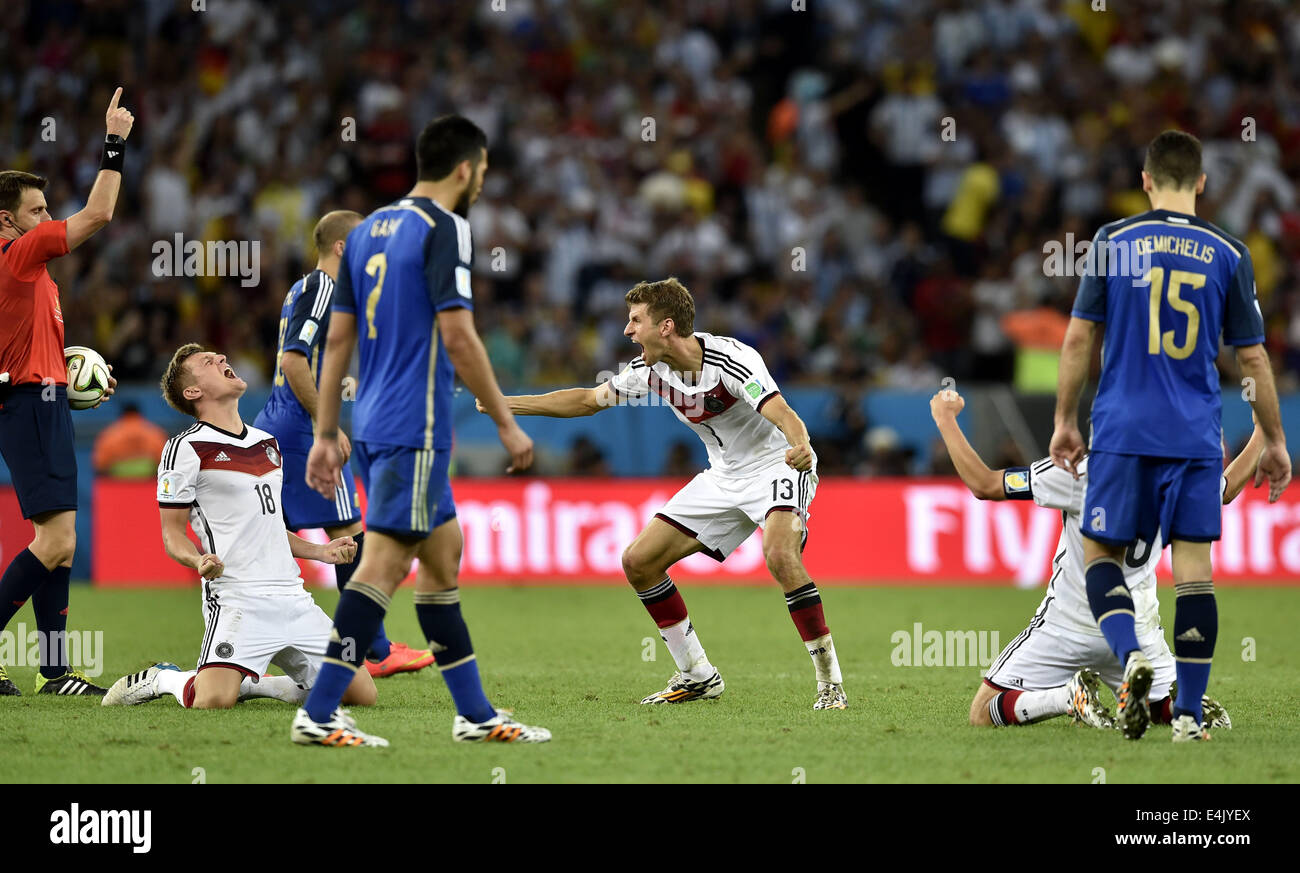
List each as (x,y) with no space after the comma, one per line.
(24,575)
(379,646)
(448,636)
(50,603)
(1112,606)
(805,605)
(1196,627)
(361,609)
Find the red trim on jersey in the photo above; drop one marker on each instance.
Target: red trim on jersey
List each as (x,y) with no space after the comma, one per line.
(255,460)
(31,321)
(759,407)
(693,406)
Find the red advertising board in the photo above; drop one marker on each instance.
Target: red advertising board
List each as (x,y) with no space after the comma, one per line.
(917,532)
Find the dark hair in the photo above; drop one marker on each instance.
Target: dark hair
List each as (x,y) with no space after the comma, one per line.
(444,143)
(1174,160)
(12,185)
(178,378)
(667,298)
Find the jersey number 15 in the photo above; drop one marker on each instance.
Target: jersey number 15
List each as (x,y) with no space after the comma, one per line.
(1156,341)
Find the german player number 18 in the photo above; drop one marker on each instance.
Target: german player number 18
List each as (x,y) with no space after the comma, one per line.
(265,497)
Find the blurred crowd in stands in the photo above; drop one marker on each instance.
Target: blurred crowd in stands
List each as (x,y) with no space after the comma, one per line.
(861,190)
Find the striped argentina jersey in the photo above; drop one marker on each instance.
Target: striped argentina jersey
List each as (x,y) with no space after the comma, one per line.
(724,408)
(304,321)
(231,485)
(402,266)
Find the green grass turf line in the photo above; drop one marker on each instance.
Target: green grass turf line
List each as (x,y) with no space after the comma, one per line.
(572,659)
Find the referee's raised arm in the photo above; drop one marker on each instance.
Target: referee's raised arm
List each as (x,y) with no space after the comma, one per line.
(103,195)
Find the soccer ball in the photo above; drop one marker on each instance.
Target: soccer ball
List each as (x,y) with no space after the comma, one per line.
(87,376)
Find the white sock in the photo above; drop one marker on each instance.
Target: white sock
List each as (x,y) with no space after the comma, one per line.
(1033,706)
(688,654)
(173,682)
(822,650)
(277,687)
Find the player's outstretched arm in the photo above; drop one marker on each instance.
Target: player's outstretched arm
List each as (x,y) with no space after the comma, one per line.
(341,550)
(1275,461)
(565,403)
(325,462)
(103,194)
(800,455)
(1242,468)
(181,548)
(984,483)
(470,358)
(1067,447)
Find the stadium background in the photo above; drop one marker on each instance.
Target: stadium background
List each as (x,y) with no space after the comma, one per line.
(796,180)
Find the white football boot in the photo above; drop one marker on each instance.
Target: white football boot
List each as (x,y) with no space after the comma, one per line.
(137,688)
(339,732)
(1085,704)
(500,729)
(1134,715)
(1186,730)
(830,695)
(680,689)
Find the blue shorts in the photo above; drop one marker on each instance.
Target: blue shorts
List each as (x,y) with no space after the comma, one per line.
(36,444)
(1131,497)
(408,491)
(304,508)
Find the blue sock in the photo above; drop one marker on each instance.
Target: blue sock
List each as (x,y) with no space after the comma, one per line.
(379,646)
(1112,606)
(361,608)
(24,575)
(1196,627)
(50,603)
(441,621)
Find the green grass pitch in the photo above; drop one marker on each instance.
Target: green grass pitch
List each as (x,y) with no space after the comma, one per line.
(574,659)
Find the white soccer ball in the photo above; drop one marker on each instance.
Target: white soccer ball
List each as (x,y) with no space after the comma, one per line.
(87,376)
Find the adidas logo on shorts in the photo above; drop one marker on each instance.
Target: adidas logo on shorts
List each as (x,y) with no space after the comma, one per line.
(222,456)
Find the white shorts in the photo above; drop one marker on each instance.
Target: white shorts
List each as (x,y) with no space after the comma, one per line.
(722,513)
(1045,655)
(250,630)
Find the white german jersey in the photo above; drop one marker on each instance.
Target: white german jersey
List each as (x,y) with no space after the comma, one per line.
(231,484)
(723,408)
(1053,487)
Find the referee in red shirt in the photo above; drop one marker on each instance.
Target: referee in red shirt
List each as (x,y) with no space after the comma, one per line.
(35,424)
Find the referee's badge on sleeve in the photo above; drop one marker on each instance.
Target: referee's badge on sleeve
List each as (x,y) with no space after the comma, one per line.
(1014,481)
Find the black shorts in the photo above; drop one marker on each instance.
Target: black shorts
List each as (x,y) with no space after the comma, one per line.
(36,444)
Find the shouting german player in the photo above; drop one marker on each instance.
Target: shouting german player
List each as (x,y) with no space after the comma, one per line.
(1166,285)
(1056,665)
(405,282)
(35,419)
(762,473)
(290,411)
(224,479)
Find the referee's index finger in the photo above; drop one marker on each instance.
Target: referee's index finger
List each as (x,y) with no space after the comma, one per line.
(117,95)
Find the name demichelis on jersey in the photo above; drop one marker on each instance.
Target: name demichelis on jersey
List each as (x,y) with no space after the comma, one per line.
(738,438)
(231,485)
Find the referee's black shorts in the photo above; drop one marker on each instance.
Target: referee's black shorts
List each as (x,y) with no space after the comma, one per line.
(36,444)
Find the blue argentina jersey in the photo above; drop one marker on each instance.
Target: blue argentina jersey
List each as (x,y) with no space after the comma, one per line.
(402,265)
(1171,285)
(304,321)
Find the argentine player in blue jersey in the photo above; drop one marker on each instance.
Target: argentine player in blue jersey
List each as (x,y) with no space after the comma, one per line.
(288,415)
(1164,286)
(404,295)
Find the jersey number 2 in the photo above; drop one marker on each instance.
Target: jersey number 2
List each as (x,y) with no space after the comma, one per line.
(264,496)
(1155,339)
(377,266)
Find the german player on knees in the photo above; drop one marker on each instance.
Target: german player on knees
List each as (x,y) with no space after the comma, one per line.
(762,474)
(406,272)
(223,478)
(1196,287)
(290,413)
(36,436)
(1057,665)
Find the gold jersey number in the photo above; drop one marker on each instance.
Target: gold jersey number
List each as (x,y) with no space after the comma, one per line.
(1157,341)
(377,266)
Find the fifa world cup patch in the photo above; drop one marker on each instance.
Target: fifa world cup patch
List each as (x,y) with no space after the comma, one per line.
(166,485)
(754,388)
(1015,481)
(462,282)
(308,332)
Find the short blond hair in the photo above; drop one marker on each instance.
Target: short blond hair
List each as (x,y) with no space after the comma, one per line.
(334,226)
(667,298)
(177,378)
